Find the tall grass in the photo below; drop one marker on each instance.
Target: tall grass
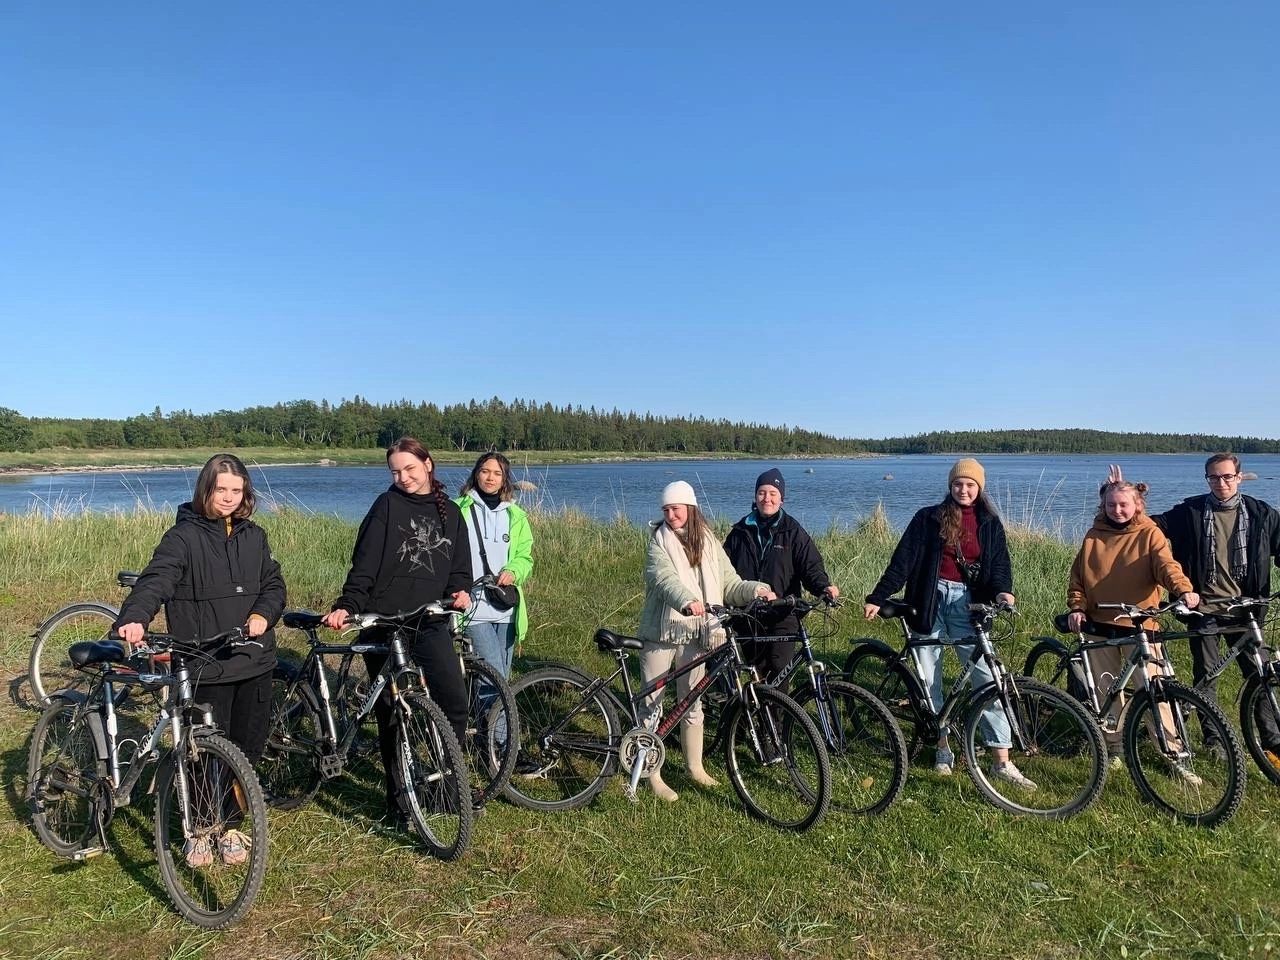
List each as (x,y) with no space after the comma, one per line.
(941,874)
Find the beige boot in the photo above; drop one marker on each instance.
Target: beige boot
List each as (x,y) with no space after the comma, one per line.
(691,746)
(660,788)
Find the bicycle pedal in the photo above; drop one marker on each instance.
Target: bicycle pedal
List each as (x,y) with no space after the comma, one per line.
(88,853)
(331,767)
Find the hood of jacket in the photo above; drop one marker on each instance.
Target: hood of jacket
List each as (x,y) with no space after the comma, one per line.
(1103,528)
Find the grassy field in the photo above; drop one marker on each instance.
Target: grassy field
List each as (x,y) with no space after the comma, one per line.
(940,875)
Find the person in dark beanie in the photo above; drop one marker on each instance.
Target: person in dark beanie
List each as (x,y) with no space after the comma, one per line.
(769,545)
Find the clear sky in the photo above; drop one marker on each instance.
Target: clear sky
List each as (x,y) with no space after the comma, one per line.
(866,219)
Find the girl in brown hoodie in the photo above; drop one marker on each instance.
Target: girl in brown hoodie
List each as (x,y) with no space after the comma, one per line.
(1125,558)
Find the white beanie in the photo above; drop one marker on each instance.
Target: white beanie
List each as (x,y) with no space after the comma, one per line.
(678,491)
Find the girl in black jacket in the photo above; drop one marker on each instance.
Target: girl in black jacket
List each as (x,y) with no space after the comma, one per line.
(951,555)
(412,548)
(213,571)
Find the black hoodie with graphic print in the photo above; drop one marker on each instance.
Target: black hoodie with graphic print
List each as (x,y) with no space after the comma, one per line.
(412,549)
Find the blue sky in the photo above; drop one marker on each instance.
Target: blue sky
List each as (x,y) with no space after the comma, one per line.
(866,219)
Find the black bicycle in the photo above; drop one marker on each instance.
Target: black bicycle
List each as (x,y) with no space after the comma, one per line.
(868,755)
(1057,746)
(1166,753)
(573,738)
(307,744)
(210,819)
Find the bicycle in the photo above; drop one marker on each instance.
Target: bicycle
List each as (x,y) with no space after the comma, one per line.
(493,731)
(572,737)
(1057,745)
(208,807)
(48,667)
(1166,757)
(307,745)
(866,748)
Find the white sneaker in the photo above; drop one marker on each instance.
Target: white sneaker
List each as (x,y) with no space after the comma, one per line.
(944,761)
(1010,774)
(1180,769)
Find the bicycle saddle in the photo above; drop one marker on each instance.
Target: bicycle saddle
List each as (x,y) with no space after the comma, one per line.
(1111,631)
(302,619)
(126,578)
(896,608)
(607,640)
(97,651)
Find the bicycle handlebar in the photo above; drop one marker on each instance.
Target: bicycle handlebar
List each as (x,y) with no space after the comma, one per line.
(1134,613)
(362,621)
(156,644)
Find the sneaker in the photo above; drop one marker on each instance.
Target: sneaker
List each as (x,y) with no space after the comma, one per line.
(233,847)
(526,766)
(477,801)
(1216,752)
(198,852)
(1115,761)
(944,761)
(1010,774)
(1183,770)
(1273,757)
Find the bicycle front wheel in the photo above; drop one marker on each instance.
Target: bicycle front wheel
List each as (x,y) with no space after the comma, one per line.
(1261,698)
(49,666)
(433,772)
(1186,777)
(868,755)
(776,759)
(875,668)
(1057,748)
(211,831)
(63,771)
(288,769)
(568,743)
(493,728)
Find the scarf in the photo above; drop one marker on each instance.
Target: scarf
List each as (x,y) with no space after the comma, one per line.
(704,581)
(1238,548)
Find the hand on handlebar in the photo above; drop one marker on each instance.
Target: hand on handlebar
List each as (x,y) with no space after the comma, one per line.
(695,608)
(336,619)
(870,611)
(764,593)
(1190,599)
(1075,621)
(832,592)
(462,599)
(133,634)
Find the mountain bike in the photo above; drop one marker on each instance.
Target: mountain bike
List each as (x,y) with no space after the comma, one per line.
(308,744)
(210,820)
(48,667)
(1166,754)
(864,743)
(572,736)
(1055,743)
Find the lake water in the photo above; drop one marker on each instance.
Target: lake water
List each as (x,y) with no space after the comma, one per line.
(1053,493)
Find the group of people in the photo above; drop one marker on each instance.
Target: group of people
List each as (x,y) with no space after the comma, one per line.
(214,570)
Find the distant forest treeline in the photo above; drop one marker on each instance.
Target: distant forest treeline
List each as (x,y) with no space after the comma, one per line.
(525,425)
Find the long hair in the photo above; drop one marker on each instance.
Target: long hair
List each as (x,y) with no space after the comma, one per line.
(208,479)
(951,522)
(414,447)
(696,531)
(508,489)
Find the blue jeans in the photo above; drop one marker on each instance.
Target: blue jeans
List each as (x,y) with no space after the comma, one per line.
(951,627)
(494,643)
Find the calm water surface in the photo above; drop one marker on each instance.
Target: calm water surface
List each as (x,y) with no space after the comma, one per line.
(1053,493)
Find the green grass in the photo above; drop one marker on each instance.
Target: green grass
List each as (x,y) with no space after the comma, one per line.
(941,874)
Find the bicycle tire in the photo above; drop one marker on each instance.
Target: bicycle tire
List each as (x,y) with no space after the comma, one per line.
(289,768)
(1050,662)
(49,666)
(493,735)
(1257,696)
(63,771)
(1159,778)
(567,768)
(867,752)
(788,784)
(875,668)
(433,773)
(224,796)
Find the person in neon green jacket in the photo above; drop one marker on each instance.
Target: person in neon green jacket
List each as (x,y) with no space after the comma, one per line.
(497,524)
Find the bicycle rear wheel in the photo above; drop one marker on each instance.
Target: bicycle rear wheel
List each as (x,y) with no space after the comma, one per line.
(1190,780)
(568,745)
(493,732)
(875,668)
(1261,697)
(213,866)
(1050,662)
(433,772)
(49,667)
(866,749)
(289,769)
(776,760)
(1057,746)
(63,771)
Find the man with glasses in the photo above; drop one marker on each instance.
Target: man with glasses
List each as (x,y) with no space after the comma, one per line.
(1225,542)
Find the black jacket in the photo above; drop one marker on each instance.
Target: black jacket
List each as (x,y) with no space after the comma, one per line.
(404,557)
(918,557)
(1184,526)
(785,558)
(209,582)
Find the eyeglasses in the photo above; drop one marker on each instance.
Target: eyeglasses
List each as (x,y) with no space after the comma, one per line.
(1221,477)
